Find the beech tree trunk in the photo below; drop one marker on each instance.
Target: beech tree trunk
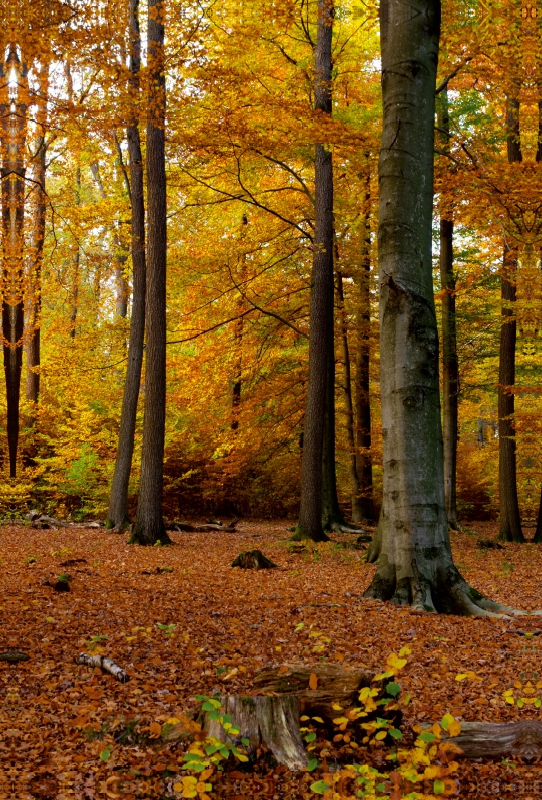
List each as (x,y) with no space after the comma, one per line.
(509,517)
(149,524)
(13,176)
(33,301)
(415,564)
(450,366)
(321,307)
(117,514)
(363,505)
(348,400)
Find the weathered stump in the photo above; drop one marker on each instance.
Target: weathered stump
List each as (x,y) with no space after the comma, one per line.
(271,723)
(253,559)
(332,684)
(494,740)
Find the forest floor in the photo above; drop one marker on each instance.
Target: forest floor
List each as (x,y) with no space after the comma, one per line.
(228,623)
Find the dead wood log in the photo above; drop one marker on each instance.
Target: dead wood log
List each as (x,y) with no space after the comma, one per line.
(495,740)
(333,684)
(102,662)
(271,723)
(186,527)
(14,656)
(253,559)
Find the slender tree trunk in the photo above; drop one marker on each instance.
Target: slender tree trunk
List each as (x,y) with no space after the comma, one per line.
(13,176)
(33,298)
(237,343)
(149,524)
(348,401)
(76,263)
(363,507)
(509,517)
(118,500)
(415,564)
(450,366)
(332,517)
(321,309)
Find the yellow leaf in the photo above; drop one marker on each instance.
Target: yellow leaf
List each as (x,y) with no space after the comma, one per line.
(318,719)
(177,787)
(313,681)
(454,728)
(336,707)
(380,735)
(461,676)
(340,720)
(509,700)
(172,721)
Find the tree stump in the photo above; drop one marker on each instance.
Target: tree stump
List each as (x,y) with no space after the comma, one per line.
(494,740)
(333,684)
(253,559)
(271,723)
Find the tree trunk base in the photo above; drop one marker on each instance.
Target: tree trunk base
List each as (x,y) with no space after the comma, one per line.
(300,536)
(447,592)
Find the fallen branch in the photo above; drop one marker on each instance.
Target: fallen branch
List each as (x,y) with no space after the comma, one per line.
(102,662)
(186,527)
(495,740)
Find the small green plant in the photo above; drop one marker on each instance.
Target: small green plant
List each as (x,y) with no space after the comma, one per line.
(168,629)
(31,559)
(64,577)
(94,641)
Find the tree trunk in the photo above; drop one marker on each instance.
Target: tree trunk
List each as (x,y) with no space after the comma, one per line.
(76,262)
(33,298)
(13,186)
(321,308)
(509,518)
(415,564)
(363,507)
(149,524)
(521,739)
(238,342)
(117,514)
(347,388)
(450,367)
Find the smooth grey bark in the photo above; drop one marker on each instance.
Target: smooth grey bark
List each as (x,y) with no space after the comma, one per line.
(415,564)
(149,526)
(363,505)
(13,182)
(509,517)
(321,305)
(117,514)
(348,399)
(450,364)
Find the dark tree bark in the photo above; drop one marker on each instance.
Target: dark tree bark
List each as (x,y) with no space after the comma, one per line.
(149,524)
(117,514)
(321,308)
(13,176)
(450,365)
(332,517)
(76,263)
(509,517)
(363,507)
(33,297)
(415,564)
(237,343)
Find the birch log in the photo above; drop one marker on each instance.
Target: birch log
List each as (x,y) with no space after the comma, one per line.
(102,662)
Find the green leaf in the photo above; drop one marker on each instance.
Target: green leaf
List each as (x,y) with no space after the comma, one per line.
(320,787)
(439,787)
(246,742)
(299,627)
(310,737)
(213,714)
(196,766)
(427,736)
(105,754)
(207,706)
(393,689)
(192,757)
(381,787)
(211,748)
(313,763)
(396,733)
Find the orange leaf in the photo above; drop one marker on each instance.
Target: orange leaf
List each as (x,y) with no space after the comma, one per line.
(155,729)
(313,681)
(283,670)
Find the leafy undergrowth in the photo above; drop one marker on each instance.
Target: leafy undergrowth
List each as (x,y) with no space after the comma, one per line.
(182,622)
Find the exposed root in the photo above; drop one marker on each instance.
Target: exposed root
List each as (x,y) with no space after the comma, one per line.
(446,593)
(301,536)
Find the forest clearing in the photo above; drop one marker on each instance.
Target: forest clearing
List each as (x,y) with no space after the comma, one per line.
(204,627)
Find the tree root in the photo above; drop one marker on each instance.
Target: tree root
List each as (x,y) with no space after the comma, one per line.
(447,592)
